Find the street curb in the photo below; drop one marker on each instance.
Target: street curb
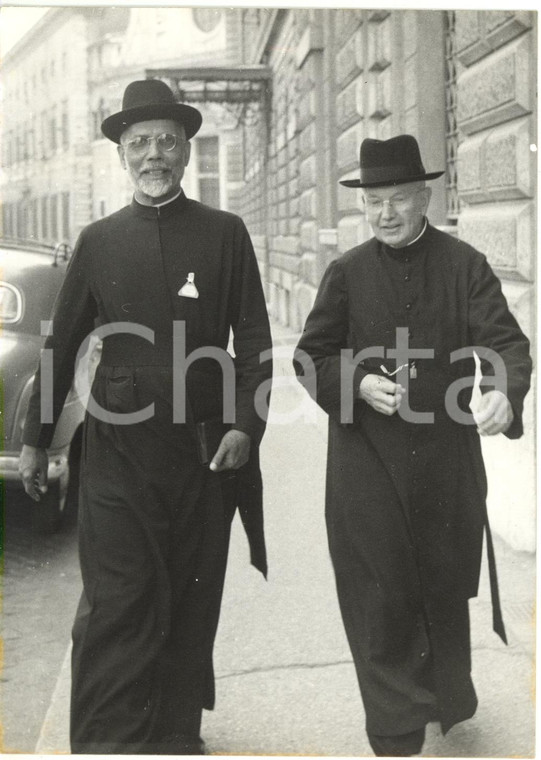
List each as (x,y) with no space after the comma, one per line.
(54,734)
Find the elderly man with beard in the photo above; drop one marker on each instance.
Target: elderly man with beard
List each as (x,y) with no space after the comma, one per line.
(386,350)
(164,280)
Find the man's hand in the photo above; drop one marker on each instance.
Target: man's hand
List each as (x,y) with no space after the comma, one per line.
(494,415)
(233,451)
(381,393)
(33,465)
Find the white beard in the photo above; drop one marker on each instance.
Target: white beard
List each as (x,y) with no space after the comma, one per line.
(154,188)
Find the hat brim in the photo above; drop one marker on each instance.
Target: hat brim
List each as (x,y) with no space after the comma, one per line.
(391,182)
(190,118)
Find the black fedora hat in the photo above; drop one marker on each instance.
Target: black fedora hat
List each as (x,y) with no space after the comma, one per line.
(390,162)
(148,99)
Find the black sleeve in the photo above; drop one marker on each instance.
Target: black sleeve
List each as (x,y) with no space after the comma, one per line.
(252,341)
(321,360)
(493,326)
(73,319)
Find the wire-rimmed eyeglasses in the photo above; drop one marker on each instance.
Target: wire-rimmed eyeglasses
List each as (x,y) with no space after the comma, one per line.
(398,202)
(165,142)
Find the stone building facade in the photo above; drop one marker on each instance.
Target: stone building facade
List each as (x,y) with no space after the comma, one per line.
(66,75)
(463,82)
(45,140)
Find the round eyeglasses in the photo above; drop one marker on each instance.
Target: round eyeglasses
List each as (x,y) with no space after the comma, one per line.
(398,202)
(165,142)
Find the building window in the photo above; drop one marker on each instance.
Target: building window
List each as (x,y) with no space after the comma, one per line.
(66,216)
(451,128)
(44,218)
(52,131)
(7,220)
(35,229)
(35,137)
(44,147)
(21,220)
(208,171)
(98,116)
(8,150)
(65,126)
(53,206)
(28,147)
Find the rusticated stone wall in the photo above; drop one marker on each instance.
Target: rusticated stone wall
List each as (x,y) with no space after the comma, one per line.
(469,97)
(496,184)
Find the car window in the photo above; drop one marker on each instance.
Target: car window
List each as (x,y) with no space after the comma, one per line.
(11,304)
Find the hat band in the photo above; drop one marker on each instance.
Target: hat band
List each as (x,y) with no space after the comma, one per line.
(390,173)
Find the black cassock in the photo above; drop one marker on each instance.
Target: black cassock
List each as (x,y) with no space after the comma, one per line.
(154,523)
(406,501)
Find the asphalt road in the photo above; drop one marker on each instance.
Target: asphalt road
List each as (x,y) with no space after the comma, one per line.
(40,590)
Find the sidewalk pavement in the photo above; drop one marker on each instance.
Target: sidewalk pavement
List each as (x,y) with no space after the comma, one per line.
(284,675)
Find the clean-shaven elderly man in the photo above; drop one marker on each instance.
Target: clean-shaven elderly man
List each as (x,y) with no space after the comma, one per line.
(387,353)
(162,278)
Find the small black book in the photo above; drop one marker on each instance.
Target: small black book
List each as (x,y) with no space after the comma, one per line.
(209,435)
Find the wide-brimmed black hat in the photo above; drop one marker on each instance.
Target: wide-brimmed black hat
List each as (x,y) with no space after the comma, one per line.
(148,99)
(390,162)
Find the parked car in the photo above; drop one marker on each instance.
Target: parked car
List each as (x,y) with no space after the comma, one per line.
(30,277)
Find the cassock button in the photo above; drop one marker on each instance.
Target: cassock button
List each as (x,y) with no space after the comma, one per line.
(423,654)
(408,306)
(407,278)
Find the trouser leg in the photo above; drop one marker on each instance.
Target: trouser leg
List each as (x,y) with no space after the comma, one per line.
(115,641)
(402,745)
(130,612)
(187,683)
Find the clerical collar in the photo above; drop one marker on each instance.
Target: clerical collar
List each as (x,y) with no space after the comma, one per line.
(159,205)
(420,235)
(410,250)
(161,210)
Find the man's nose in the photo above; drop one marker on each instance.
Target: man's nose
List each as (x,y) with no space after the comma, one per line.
(153,151)
(387,209)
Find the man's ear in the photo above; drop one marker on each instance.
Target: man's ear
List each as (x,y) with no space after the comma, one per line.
(187,153)
(427,192)
(120,151)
